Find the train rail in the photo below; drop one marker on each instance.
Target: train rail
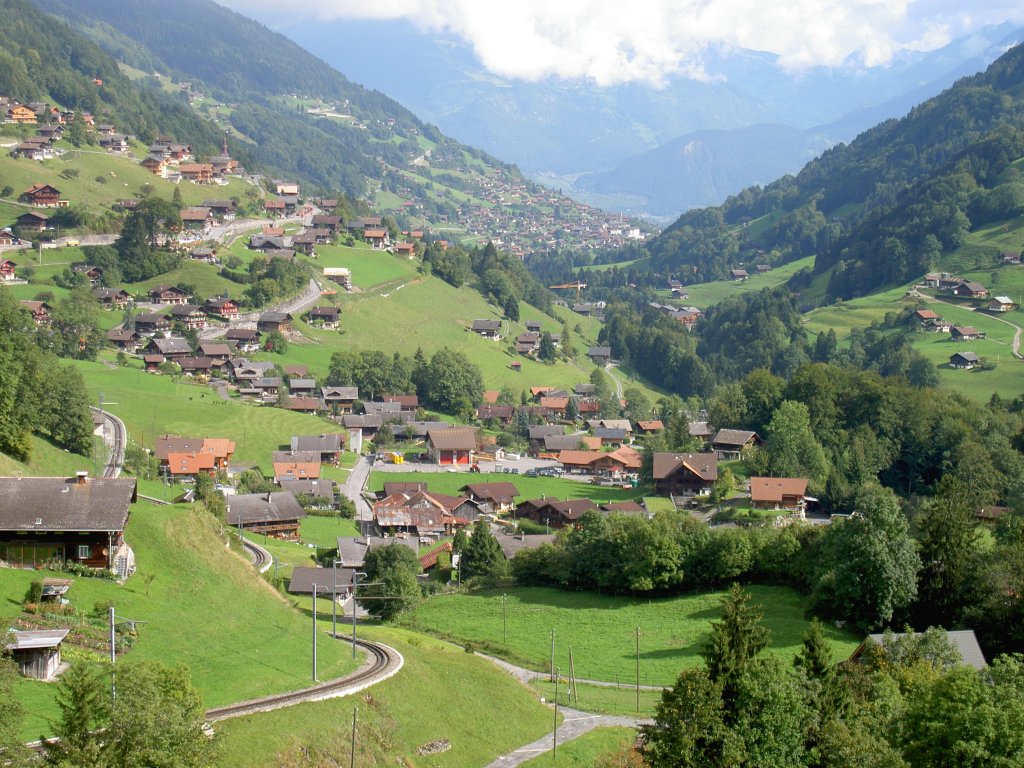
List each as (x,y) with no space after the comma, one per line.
(261,559)
(120,440)
(382,663)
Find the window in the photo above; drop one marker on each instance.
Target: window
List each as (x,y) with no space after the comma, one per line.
(84,551)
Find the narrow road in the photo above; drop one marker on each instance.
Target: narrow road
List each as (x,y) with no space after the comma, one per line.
(1014,345)
(610,368)
(353,487)
(529,675)
(574,724)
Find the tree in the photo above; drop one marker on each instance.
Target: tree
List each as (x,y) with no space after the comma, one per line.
(866,566)
(947,539)
(12,748)
(511,308)
(815,654)
(547,348)
(391,572)
(482,555)
(159,720)
(790,448)
(736,638)
(176,199)
(453,384)
(84,702)
(637,403)
(689,728)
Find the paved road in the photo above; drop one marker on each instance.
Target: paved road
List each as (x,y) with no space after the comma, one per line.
(353,487)
(574,724)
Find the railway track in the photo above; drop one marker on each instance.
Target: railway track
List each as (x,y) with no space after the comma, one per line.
(383,662)
(120,440)
(261,559)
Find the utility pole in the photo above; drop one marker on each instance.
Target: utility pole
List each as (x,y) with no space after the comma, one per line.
(355,711)
(504,620)
(355,583)
(334,599)
(638,669)
(314,633)
(554,733)
(113,655)
(552,665)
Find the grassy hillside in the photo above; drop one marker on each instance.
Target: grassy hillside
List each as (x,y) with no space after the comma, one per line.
(442,693)
(203,606)
(528,487)
(703,295)
(601,629)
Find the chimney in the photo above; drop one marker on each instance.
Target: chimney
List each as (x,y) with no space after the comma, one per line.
(81,477)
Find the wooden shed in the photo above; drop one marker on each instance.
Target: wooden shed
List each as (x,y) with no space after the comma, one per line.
(37,652)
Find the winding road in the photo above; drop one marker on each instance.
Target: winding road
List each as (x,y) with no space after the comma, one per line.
(1014,345)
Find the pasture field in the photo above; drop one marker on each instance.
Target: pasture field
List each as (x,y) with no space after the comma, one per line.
(202,604)
(153,405)
(585,751)
(440,694)
(529,487)
(703,295)
(601,628)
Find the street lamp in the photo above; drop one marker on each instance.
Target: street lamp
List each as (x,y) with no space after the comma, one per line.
(355,582)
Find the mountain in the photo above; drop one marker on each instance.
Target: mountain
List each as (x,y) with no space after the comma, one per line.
(300,118)
(586,140)
(881,210)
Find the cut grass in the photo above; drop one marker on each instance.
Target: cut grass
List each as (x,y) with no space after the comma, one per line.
(324,531)
(528,487)
(703,295)
(603,700)
(205,607)
(586,750)
(441,693)
(601,628)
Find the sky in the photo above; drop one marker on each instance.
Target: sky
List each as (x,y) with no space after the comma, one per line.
(650,41)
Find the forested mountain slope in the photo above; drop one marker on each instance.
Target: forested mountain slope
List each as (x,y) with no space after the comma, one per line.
(881,209)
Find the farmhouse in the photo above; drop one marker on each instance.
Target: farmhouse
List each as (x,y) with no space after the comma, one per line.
(311,493)
(733,443)
(600,355)
(1001,304)
(220,449)
(271,322)
(297,469)
(684,474)
(418,514)
(964,333)
(964,361)
(454,445)
(168,294)
(492,498)
(340,399)
(40,311)
(971,289)
(276,514)
(738,274)
(81,519)
(221,306)
(324,317)
(513,545)
(190,315)
(352,549)
(778,492)
(244,339)
(32,221)
(329,447)
(964,640)
(112,298)
(487,328)
(555,514)
(44,196)
(151,323)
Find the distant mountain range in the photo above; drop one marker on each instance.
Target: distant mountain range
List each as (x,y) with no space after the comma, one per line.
(702,140)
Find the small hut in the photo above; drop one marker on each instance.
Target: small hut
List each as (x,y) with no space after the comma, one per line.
(37,652)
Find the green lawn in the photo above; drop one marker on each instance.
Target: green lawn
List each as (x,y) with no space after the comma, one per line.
(620,700)
(205,607)
(585,751)
(324,531)
(703,295)
(441,693)
(153,405)
(601,628)
(370,268)
(47,460)
(528,487)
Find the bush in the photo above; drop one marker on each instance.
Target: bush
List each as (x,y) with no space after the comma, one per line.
(34,593)
(101,179)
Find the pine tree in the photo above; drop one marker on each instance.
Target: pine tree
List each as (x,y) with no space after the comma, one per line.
(176,198)
(735,640)
(512,309)
(482,555)
(84,709)
(815,655)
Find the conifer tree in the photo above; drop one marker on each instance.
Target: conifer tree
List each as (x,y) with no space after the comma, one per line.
(735,640)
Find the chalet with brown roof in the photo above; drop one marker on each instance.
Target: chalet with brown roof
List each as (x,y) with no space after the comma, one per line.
(600,355)
(124,339)
(500,413)
(965,333)
(561,442)
(340,399)
(276,514)
(197,173)
(7,270)
(21,115)
(172,349)
(406,403)
(81,519)
(190,315)
(274,207)
(738,274)
(40,310)
(377,238)
(152,362)
(217,351)
(158,165)
(964,361)
(651,427)
(244,339)
(622,460)
(271,322)
(553,513)
(112,298)
(684,474)
(778,493)
(492,498)
(297,470)
(405,249)
(326,221)
(971,289)
(733,443)
(151,323)
(32,221)
(489,329)
(168,294)
(1001,304)
(451,446)
(221,306)
(196,366)
(325,317)
(44,196)
(554,406)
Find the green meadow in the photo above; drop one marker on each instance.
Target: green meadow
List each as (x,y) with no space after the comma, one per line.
(601,629)
(201,604)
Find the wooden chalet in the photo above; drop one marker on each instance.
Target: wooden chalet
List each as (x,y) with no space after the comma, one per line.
(733,443)
(971,289)
(492,498)
(340,399)
(276,514)
(274,322)
(489,329)
(600,355)
(41,311)
(778,493)
(172,349)
(190,315)
(197,173)
(79,519)
(112,298)
(684,474)
(32,221)
(965,333)
(168,295)
(37,652)
(964,361)
(125,339)
(44,196)
(553,513)
(150,323)
(221,306)
(325,317)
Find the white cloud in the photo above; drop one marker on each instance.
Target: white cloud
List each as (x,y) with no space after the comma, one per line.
(609,41)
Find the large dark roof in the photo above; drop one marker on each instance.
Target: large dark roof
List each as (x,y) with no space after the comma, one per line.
(65,504)
(251,508)
(303,579)
(703,465)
